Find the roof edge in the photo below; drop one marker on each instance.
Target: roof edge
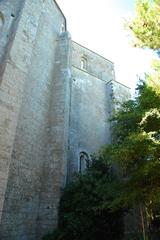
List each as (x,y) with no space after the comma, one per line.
(93,52)
(119,83)
(61,13)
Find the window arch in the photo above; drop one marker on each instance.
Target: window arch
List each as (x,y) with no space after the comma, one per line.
(83,161)
(84,63)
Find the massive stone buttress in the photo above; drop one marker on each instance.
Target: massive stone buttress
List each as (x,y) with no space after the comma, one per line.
(9,16)
(34,96)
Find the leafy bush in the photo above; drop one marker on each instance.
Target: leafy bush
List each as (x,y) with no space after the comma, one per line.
(84,211)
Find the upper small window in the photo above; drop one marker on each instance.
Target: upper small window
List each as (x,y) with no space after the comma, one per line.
(62,28)
(84,63)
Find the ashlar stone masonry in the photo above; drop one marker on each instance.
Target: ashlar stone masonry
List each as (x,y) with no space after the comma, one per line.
(56,97)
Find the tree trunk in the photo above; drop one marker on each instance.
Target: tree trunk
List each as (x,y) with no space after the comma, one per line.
(142,222)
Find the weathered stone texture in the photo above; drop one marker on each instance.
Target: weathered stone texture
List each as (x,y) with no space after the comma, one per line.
(93,94)
(10,13)
(120,92)
(97,65)
(89,129)
(32,188)
(50,111)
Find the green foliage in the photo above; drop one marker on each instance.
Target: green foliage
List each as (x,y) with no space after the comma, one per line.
(127,119)
(153,78)
(145,29)
(84,212)
(146,25)
(136,153)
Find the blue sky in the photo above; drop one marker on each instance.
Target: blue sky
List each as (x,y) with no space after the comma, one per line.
(125,5)
(99,25)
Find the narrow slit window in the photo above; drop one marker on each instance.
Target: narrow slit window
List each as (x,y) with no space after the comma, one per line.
(1,21)
(83,63)
(62,28)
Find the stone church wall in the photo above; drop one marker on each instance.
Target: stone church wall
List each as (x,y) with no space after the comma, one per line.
(94,93)
(32,146)
(51,111)
(90,105)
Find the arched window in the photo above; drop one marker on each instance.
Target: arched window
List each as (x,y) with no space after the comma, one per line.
(83,161)
(84,63)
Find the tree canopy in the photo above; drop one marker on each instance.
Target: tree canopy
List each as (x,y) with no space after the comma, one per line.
(136,154)
(146,25)
(145,31)
(84,211)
